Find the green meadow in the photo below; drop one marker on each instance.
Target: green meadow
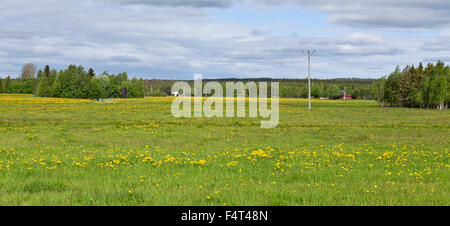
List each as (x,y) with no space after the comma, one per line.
(134,152)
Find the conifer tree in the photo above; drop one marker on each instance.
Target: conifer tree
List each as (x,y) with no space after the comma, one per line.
(91,73)
(7,86)
(44,88)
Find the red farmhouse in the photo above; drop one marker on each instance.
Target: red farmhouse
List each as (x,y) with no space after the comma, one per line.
(347,97)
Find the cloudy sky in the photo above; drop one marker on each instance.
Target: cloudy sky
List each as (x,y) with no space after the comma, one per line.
(173,39)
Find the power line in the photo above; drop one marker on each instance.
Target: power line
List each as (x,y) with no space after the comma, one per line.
(309,53)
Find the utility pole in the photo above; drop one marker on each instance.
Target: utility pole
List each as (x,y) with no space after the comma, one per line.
(309,53)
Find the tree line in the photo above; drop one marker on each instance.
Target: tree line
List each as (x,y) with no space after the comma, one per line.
(74,82)
(425,87)
(328,88)
(422,87)
(289,88)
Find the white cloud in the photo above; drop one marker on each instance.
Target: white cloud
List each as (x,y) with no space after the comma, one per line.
(440,43)
(405,14)
(175,39)
(192,3)
(359,38)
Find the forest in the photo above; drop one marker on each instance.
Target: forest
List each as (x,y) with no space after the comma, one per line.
(421,87)
(289,88)
(74,82)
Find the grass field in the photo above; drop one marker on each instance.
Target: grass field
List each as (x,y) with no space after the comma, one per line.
(133,152)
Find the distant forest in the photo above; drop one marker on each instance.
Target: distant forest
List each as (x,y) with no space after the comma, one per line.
(425,87)
(293,88)
(76,82)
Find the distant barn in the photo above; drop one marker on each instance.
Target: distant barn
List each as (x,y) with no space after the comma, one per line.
(347,97)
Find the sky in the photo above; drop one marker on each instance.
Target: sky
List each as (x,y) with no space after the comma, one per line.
(174,39)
